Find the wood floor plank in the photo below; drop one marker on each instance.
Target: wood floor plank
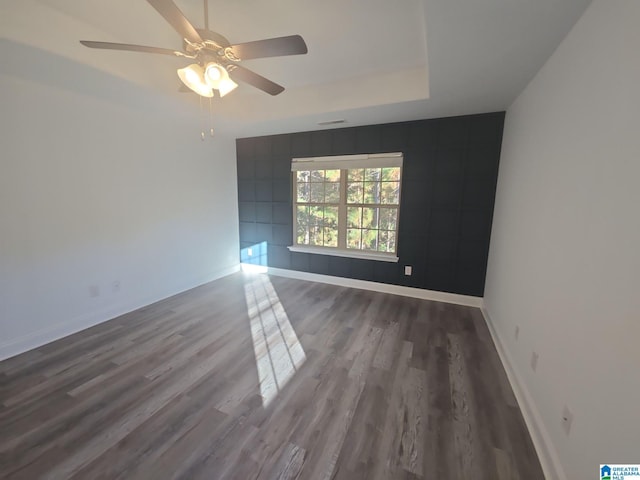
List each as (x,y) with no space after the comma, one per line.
(412,441)
(262,377)
(504,465)
(148,442)
(322,462)
(389,449)
(388,349)
(474,455)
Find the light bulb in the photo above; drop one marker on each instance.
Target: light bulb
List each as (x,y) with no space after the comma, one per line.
(214,74)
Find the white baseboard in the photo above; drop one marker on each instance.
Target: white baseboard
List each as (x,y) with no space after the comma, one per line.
(547,454)
(380,287)
(46,335)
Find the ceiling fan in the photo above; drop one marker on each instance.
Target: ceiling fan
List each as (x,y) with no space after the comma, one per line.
(216,64)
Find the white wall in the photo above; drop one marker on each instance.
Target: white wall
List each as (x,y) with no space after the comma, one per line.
(101,181)
(564,261)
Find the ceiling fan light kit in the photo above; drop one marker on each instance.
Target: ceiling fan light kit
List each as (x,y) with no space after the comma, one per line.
(217,64)
(204,81)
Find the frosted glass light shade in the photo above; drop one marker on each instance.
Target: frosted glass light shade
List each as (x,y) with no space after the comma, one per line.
(193,77)
(226,85)
(216,76)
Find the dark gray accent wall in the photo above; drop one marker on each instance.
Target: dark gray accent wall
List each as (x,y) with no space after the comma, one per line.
(448,190)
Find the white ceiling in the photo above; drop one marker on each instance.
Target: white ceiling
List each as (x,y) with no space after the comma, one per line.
(369,61)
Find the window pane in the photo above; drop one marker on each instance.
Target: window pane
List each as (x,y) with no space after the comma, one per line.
(372,192)
(370,218)
(369,239)
(355,175)
(391,174)
(382,241)
(303,192)
(354,217)
(315,236)
(353,238)
(332,175)
(317,193)
(393,243)
(332,193)
(302,237)
(330,217)
(316,176)
(330,237)
(354,192)
(388,218)
(316,215)
(387,241)
(303,176)
(390,192)
(302,215)
(372,175)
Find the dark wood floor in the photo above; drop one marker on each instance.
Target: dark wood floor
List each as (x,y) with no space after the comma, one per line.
(254,376)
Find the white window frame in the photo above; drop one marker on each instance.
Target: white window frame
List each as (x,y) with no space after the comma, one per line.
(345,162)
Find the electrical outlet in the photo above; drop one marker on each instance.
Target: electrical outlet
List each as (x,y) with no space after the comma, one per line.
(94,291)
(407,270)
(517,333)
(567,420)
(115,286)
(249,252)
(534,361)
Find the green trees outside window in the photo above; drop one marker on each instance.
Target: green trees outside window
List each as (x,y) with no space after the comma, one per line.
(354,208)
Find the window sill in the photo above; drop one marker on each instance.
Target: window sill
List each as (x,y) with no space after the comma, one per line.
(381,257)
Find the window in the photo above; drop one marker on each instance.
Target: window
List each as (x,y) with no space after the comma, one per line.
(347,205)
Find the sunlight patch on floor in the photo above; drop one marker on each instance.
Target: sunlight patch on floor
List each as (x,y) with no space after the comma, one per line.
(277,349)
(249,268)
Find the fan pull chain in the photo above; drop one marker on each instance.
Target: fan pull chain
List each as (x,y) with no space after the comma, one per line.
(201,119)
(210,117)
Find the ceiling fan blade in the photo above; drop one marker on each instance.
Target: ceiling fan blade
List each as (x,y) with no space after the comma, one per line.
(176,19)
(130,48)
(236,72)
(271,47)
